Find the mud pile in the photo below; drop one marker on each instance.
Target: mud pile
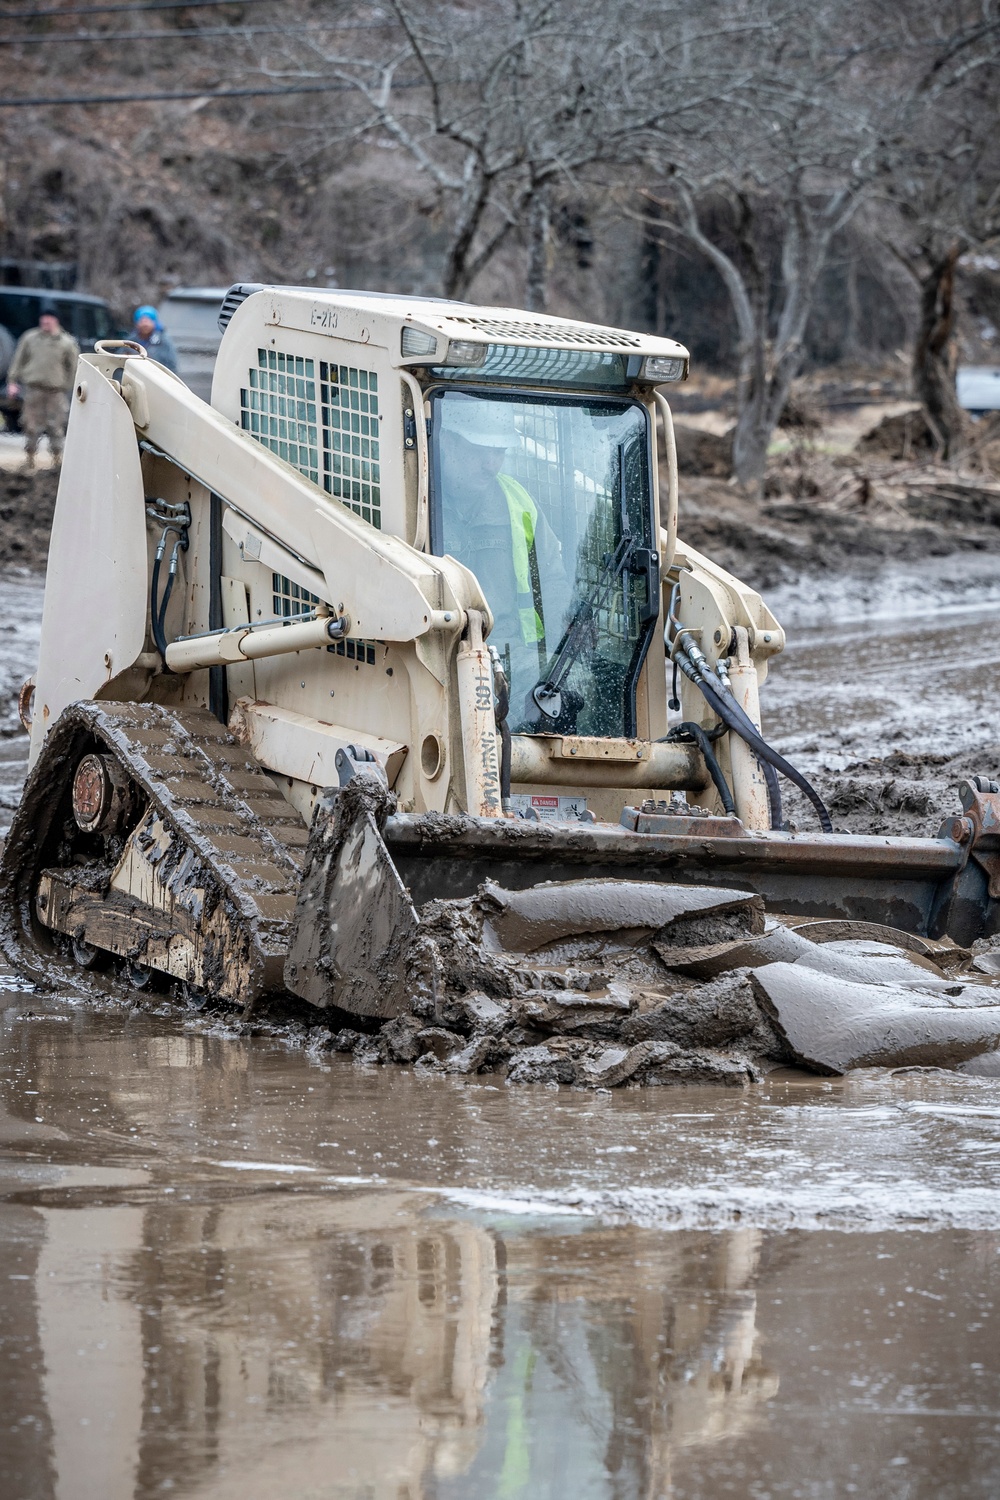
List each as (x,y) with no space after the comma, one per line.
(27,504)
(598,984)
(905,793)
(823,517)
(666,1007)
(577,983)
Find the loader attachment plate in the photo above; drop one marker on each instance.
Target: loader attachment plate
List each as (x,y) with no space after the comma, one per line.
(923,885)
(354,918)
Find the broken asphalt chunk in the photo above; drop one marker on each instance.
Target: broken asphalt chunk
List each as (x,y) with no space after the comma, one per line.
(525,921)
(831,1025)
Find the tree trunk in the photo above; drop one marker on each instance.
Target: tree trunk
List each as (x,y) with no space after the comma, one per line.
(933,355)
(537,283)
(752,433)
(468,214)
(851,348)
(762,390)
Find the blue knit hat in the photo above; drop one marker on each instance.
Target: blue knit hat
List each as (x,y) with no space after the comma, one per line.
(147,312)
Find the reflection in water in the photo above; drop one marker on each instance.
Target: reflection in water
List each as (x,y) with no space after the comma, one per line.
(364,1347)
(231,1271)
(660,1353)
(92,1347)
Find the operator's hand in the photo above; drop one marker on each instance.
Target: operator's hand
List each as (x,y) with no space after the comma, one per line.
(12,389)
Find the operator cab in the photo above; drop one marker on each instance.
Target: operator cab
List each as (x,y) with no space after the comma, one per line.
(546,495)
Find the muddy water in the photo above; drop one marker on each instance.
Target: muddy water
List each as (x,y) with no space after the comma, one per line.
(230,1268)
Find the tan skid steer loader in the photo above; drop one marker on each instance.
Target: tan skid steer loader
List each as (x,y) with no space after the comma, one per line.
(376,649)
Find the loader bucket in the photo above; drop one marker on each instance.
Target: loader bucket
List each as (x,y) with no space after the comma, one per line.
(393,902)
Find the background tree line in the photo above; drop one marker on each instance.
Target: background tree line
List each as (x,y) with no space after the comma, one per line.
(775,182)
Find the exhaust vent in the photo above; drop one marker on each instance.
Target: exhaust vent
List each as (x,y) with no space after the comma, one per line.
(231,301)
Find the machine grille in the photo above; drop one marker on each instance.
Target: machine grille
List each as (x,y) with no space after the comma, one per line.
(278,408)
(234,298)
(351,468)
(577,334)
(289,599)
(357,651)
(333,441)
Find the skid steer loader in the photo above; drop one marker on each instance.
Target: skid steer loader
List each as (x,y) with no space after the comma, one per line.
(380,643)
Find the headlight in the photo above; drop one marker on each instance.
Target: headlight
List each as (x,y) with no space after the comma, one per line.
(663,367)
(464,352)
(416,341)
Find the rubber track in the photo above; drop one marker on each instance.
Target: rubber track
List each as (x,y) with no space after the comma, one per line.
(235,833)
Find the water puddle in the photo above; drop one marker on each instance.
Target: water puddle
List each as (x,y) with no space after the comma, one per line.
(229,1268)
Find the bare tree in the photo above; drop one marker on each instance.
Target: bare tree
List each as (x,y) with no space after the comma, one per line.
(501,107)
(943,187)
(789,167)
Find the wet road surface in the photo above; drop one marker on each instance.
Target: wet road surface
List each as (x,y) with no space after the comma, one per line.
(232,1268)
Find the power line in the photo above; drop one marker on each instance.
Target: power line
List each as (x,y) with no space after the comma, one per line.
(207,94)
(101,10)
(185,32)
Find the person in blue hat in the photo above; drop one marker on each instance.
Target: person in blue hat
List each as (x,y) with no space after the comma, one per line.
(148,331)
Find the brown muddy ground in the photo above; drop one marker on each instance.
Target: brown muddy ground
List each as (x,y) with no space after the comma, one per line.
(824,521)
(889,702)
(27,503)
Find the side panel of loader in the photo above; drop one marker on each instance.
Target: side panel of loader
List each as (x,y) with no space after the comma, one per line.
(94,617)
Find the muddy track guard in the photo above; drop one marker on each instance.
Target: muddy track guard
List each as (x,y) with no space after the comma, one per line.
(180,813)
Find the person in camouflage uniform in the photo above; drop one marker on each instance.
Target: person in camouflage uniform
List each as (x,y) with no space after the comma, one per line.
(42,373)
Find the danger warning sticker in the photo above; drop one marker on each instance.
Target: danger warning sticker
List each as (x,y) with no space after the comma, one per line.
(549,809)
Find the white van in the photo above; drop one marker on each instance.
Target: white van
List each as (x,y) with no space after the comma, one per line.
(978,388)
(191,317)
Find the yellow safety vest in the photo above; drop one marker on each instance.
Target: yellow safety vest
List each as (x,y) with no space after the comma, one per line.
(523,520)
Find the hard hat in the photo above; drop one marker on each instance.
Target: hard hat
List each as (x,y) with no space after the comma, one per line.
(484,423)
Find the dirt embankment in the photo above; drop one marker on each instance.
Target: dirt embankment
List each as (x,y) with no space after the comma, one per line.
(849,488)
(27,503)
(823,513)
(821,518)
(905,793)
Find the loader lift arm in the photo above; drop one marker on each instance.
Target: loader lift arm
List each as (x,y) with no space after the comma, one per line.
(390,591)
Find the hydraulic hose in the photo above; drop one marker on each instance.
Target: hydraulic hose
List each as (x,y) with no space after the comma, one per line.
(505,749)
(729,710)
(158,640)
(158,607)
(171,575)
(703,739)
(718,691)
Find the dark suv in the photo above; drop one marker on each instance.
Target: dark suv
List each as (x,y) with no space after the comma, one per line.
(86,318)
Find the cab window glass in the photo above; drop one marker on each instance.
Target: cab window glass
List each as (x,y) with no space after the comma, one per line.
(548,502)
